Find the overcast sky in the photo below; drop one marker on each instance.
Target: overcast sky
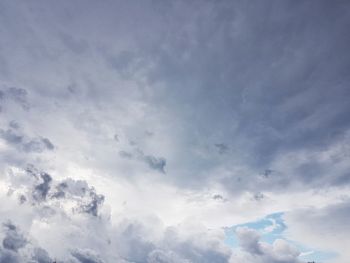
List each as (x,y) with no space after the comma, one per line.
(180,131)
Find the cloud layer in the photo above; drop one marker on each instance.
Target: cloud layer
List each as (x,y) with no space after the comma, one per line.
(138,131)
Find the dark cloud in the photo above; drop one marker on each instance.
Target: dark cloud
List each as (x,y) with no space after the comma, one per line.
(60,190)
(174,247)
(13,244)
(221,147)
(45,189)
(41,190)
(86,256)
(155,163)
(218,197)
(18,139)
(38,145)
(8,256)
(13,239)
(11,137)
(258,196)
(41,256)
(14,125)
(125,154)
(93,206)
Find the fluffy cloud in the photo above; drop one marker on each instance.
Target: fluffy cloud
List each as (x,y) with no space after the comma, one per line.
(87,234)
(254,250)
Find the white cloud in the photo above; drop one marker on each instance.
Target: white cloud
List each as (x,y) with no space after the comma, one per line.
(254,250)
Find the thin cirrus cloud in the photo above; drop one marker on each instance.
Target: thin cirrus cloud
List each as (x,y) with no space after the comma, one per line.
(142,131)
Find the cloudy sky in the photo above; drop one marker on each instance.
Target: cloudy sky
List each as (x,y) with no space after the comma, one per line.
(180,131)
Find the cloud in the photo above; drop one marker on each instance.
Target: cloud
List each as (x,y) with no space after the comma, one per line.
(86,256)
(13,240)
(17,95)
(222,148)
(311,225)
(17,248)
(246,100)
(41,190)
(155,163)
(254,250)
(15,137)
(89,236)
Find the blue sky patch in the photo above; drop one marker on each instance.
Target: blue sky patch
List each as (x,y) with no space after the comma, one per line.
(272,227)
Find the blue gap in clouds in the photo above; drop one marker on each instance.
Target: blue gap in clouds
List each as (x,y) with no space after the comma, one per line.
(271,228)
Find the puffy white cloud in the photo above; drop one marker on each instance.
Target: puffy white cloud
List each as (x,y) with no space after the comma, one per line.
(69,223)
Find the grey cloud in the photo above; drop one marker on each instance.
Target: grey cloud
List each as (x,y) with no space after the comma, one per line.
(258,196)
(270,79)
(265,79)
(161,256)
(135,247)
(41,190)
(312,225)
(15,242)
(8,256)
(74,44)
(60,190)
(221,147)
(86,256)
(14,125)
(149,133)
(155,163)
(17,138)
(13,239)
(124,63)
(93,206)
(45,189)
(11,136)
(38,145)
(18,95)
(41,256)
(279,98)
(218,197)
(255,250)
(249,240)
(211,250)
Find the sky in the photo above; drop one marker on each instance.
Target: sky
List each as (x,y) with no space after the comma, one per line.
(161,131)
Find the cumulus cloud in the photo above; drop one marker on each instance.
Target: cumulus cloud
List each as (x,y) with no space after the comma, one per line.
(89,238)
(13,240)
(254,250)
